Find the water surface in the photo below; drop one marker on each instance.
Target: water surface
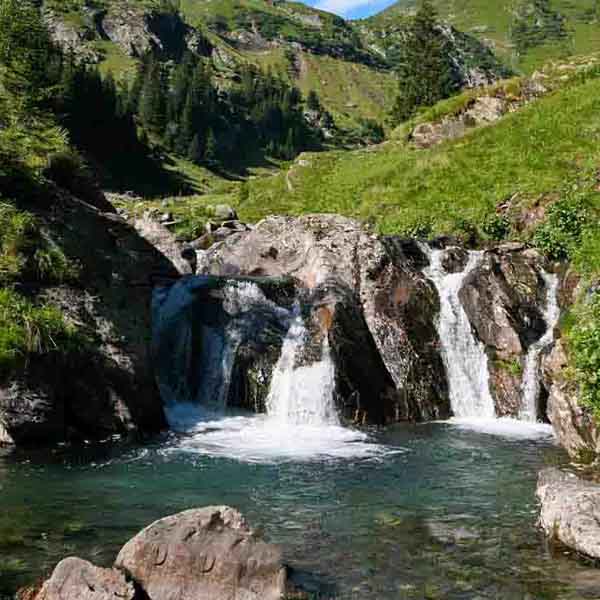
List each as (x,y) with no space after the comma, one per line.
(437,511)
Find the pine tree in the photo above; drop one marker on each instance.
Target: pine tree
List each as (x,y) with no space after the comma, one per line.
(312,101)
(26,51)
(210,149)
(426,70)
(152,102)
(195,150)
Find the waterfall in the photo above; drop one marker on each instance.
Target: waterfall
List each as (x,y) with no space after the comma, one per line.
(530,388)
(302,395)
(200,324)
(464,356)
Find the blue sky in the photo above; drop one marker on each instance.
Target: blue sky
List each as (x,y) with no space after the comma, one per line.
(351,9)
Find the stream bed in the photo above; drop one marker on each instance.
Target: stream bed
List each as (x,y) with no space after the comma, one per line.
(435,511)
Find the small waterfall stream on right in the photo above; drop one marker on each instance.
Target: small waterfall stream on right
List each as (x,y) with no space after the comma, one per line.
(466,361)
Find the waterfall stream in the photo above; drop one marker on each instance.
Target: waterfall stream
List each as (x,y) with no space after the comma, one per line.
(530,388)
(196,346)
(464,356)
(302,395)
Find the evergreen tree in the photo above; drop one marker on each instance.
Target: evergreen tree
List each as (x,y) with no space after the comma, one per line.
(210,150)
(426,70)
(26,51)
(152,101)
(195,150)
(312,102)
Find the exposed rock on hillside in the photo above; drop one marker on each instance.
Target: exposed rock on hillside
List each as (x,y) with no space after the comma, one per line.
(570,511)
(109,387)
(365,294)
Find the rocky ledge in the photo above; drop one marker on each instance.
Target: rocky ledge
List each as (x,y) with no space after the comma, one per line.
(570,511)
(200,553)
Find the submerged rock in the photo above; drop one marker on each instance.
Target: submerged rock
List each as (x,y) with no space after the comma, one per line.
(570,511)
(204,553)
(77,579)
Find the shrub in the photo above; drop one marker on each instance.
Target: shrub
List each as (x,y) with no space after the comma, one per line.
(561,233)
(68,170)
(28,330)
(584,343)
(496,227)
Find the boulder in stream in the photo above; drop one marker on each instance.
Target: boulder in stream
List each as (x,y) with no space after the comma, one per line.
(204,553)
(77,579)
(570,511)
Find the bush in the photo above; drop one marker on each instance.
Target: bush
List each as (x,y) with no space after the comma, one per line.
(561,234)
(27,330)
(27,253)
(68,170)
(496,227)
(584,343)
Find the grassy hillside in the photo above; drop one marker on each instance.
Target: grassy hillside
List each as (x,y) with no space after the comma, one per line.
(493,23)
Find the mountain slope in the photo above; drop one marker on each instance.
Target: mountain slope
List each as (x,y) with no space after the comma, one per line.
(342,61)
(554,28)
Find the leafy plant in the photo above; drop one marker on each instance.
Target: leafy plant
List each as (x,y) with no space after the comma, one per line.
(584,343)
(561,233)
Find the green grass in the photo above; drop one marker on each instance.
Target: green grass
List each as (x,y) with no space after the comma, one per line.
(530,152)
(492,21)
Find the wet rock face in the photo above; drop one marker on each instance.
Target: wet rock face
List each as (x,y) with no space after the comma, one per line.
(76,579)
(110,387)
(204,553)
(503,299)
(573,424)
(570,511)
(366,295)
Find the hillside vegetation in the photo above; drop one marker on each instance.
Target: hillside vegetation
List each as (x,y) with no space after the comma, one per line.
(526,33)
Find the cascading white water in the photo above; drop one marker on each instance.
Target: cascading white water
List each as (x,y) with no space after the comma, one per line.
(530,388)
(464,356)
(301,424)
(302,395)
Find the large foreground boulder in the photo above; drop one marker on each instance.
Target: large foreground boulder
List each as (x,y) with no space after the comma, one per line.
(204,553)
(570,511)
(366,296)
(77,579)
(200,554)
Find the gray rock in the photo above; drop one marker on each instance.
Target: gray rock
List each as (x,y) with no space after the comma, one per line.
(570,510)
(366,295)
(77,579)
(223,212)
(204,553)
(502,298)
(166,242)
(573,423)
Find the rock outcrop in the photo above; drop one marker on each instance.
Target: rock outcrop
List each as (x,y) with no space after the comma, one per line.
(362,292)
(76,579)
(574,424)
(570,511)
(503,298)
(108,387)
(204,553)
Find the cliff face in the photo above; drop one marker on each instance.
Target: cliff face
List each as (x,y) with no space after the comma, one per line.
(108,387)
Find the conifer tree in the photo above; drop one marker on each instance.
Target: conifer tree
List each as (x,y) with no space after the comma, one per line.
(152,102)
(425,71)
(194,152)
(210,150)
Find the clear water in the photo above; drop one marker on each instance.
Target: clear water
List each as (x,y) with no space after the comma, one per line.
(445,512)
